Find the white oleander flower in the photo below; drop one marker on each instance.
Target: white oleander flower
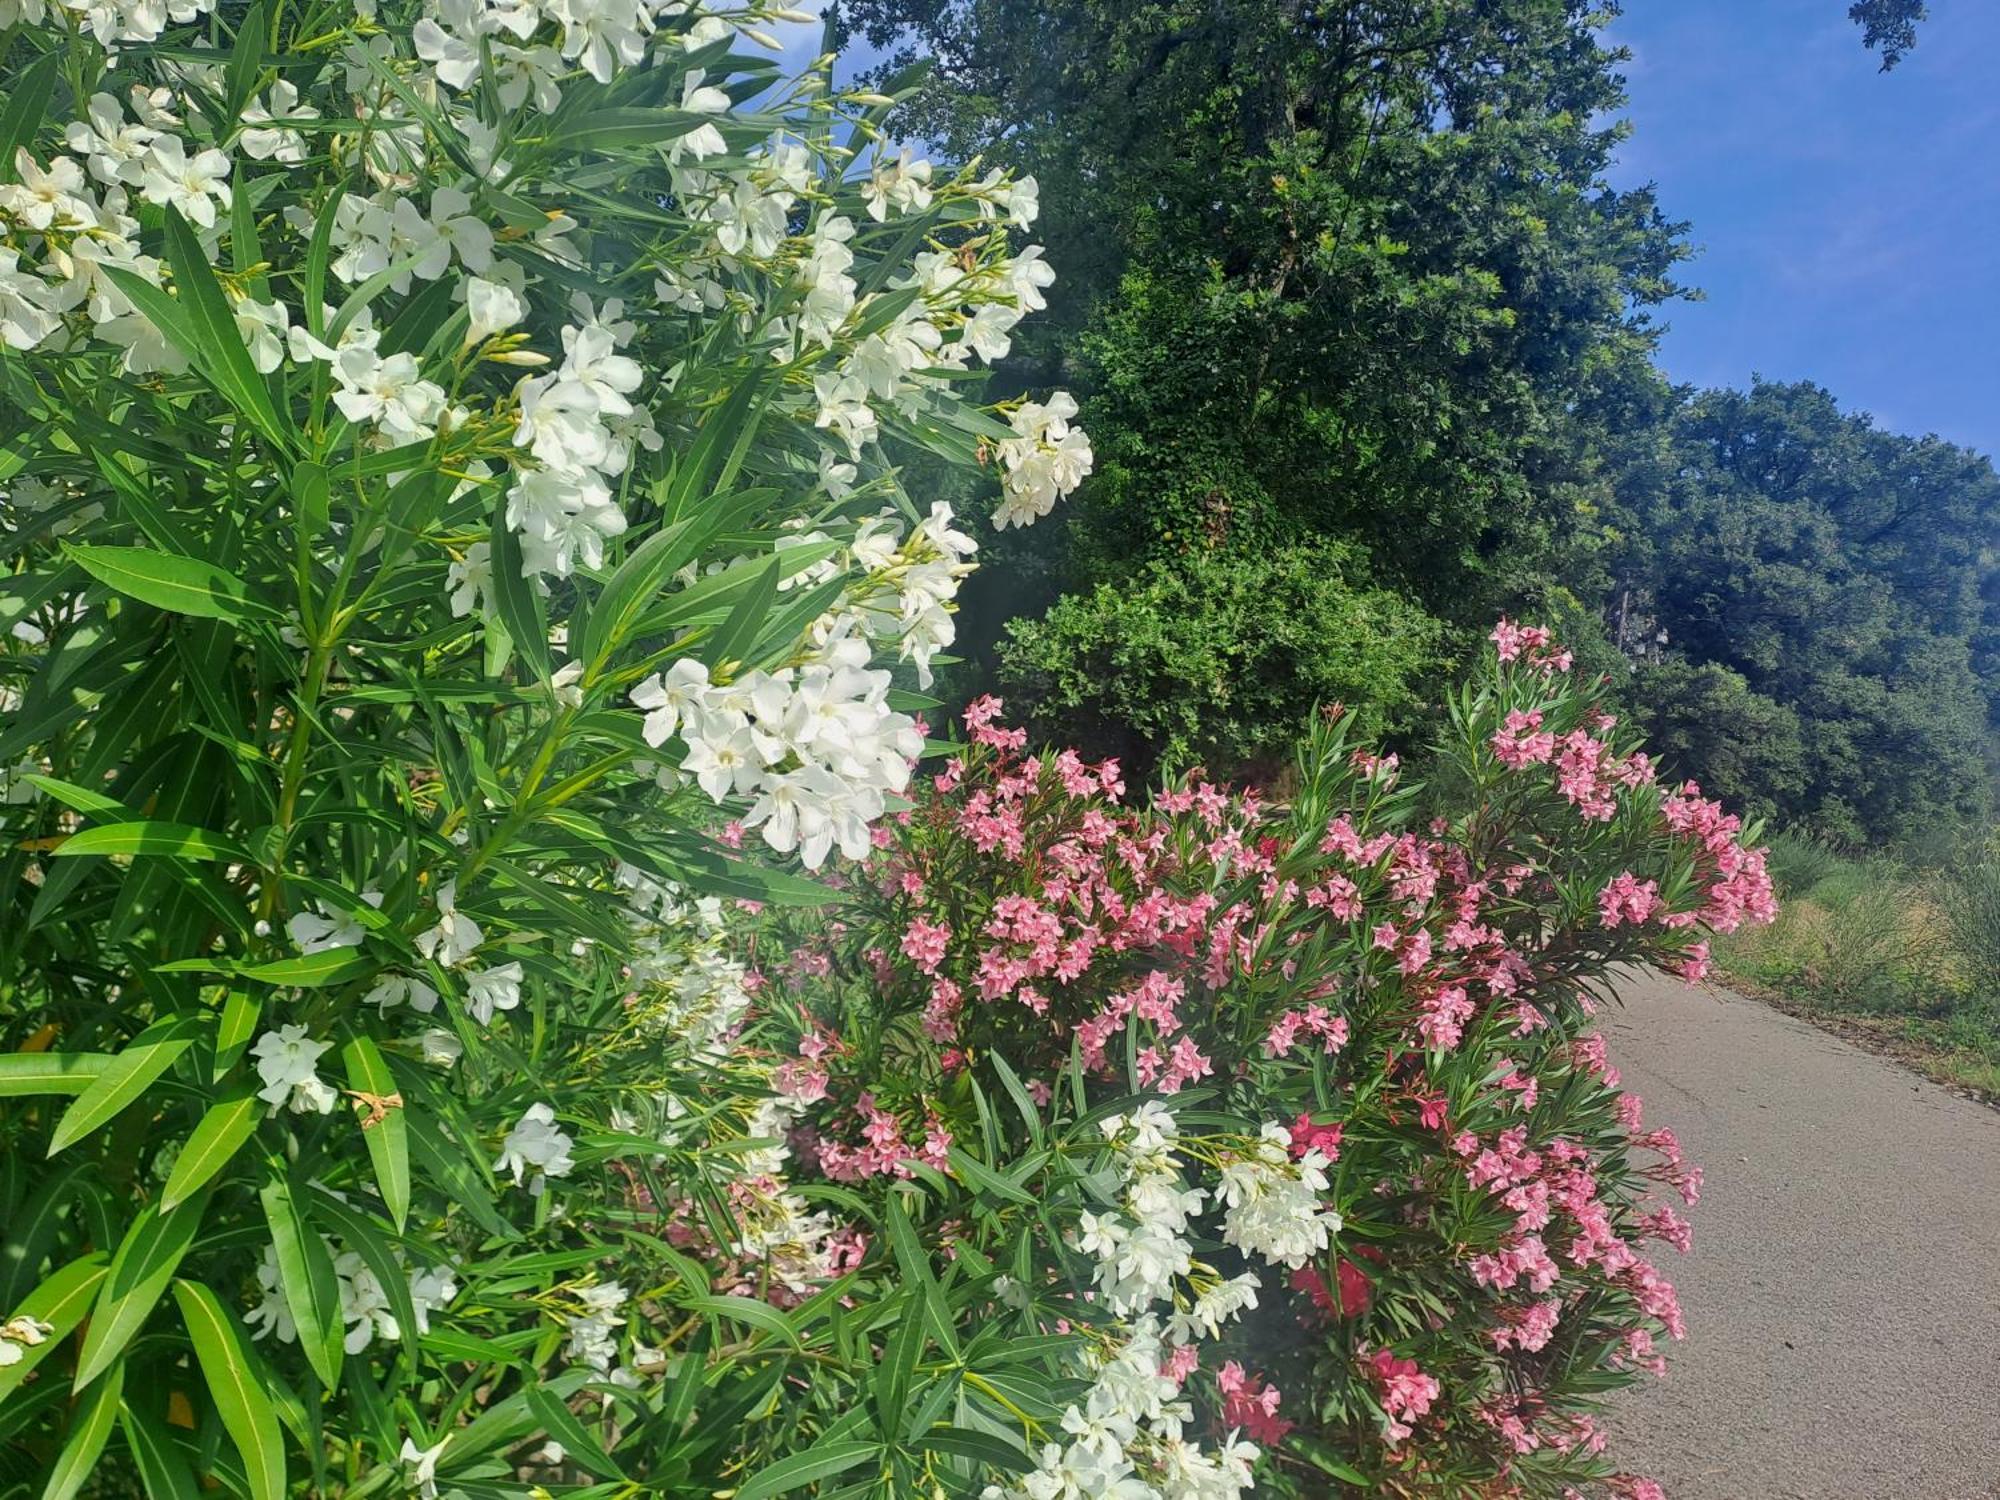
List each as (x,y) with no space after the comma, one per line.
(196,185)
(491,990)
(535,1146)
(318,931)
(392,990)
(451,942)
(287,1060)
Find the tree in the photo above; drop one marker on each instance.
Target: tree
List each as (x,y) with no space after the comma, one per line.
(1839,577)
(1332,272)
(1888,25)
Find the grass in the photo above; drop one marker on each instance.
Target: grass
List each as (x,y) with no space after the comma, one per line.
(1903,959)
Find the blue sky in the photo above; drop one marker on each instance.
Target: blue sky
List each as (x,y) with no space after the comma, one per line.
(1848,220)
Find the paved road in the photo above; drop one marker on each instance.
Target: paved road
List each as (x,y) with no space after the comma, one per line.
(1843,1297)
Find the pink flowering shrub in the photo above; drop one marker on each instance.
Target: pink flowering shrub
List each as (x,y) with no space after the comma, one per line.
(1302,1099)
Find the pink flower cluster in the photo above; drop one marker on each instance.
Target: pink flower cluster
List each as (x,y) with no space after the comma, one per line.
(1406,1393)
(1415,997)
(882,1150)
(1249,1404)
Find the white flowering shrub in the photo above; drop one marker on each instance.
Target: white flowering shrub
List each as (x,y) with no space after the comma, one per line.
(448,476)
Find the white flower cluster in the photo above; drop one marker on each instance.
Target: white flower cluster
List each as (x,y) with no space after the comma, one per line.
(110,21)
(579,424)
(66,226)
(692,1000)
(907,586)
(365,1309)
(815,749)
(593,1334)
(690,986)
(1142,1249)
(1274,1207)
(288,1062)
(775,1227)
(1044,460)
(1128,1439)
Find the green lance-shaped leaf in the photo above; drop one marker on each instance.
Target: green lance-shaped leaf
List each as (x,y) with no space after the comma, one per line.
(359,1233)
(128,1075)
(90,1424)
(146,1260)
(163,1466)
(305,1275)
(219,351)
(233,1384)
(383,1126)
(27,106)
(310,971)
(561,1424)
(740,630)
(821,1461)
(215,1142)
(515,598)
(153,836)
(60,1302)
(24,1073)
(181,585)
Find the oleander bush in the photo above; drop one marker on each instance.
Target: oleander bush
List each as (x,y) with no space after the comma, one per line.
(1286,1123)
(487,1007)
(449,460)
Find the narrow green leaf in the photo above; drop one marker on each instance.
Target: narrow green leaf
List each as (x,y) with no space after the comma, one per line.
(746,621)
(562,1425)
(60,1301)
(241,1012)
(310,492)
(628,592)
(305,1275)
(382,1124)
(821,1461)
(24,1073)
(145,1263)
(90,1424)
(163,1466)
(125,1078)
(519,606)
(27,106)
(747,1310)
(358,1232)
(212,1146)
(312,970)
(151,836)
(219,349)
(981,1178)
(981,1447)
(182,585)
(247,1414)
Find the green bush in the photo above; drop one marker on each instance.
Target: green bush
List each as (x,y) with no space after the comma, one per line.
(1216,657)
(1800,861)
(1970,896)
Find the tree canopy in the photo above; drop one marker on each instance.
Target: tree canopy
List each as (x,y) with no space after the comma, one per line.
(1363,333)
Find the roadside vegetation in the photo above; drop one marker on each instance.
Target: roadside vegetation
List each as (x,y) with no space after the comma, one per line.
(1901,949)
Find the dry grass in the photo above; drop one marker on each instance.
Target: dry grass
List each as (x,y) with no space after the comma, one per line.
(1874,952)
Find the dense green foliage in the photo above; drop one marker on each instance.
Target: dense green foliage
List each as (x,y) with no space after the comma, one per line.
(1889,26)
(1327,270)
(1350,274)
(1217,659)
(1829,606)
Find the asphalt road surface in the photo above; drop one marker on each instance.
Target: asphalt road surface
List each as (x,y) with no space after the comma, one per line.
(1843,1295)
